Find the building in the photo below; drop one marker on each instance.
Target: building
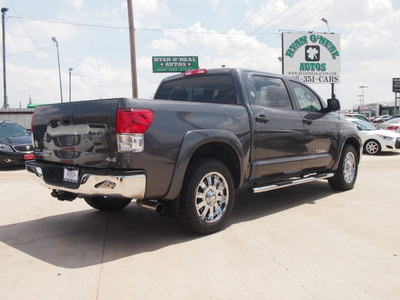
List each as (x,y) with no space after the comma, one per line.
(375,109)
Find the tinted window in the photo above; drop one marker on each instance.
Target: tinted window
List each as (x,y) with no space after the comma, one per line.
(308,101)
(271,92)
(211,89)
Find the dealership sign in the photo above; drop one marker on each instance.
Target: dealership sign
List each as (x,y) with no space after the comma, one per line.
(165,64)
(396,85)
(311,57)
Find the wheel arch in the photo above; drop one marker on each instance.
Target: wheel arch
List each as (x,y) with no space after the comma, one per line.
(216,144)
(355,141)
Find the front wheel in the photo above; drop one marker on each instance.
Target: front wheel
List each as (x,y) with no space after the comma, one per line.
(372,147)
(346,173)
(207,197)
(104,203)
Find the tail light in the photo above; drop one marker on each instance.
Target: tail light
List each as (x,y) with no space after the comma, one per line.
(392,127)
(32,139)
(131,126)
(195,72)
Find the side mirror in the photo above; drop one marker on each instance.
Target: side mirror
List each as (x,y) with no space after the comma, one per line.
(333,105)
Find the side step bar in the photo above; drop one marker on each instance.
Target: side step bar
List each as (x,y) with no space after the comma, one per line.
(283,184)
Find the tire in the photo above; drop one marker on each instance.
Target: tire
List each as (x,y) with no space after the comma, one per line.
(372,147)
(104,203)
(207,197)
(346,173)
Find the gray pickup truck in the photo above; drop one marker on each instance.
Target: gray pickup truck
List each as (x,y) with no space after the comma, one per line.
(206,134)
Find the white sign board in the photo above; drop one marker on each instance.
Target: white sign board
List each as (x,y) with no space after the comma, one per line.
(311,57)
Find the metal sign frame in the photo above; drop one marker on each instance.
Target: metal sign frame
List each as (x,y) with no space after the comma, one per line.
(312,57)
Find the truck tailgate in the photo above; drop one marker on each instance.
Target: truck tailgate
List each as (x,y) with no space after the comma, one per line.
(77,133)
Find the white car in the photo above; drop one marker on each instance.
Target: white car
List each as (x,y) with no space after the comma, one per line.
(376,140)
(393,124)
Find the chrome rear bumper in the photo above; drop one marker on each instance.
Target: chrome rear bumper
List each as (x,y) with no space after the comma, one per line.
(127,186)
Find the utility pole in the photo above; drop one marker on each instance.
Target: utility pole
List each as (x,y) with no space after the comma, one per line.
(70,70)
(133,50)
(3,15)
(59,68)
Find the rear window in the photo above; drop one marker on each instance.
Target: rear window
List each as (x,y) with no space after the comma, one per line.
(210,89)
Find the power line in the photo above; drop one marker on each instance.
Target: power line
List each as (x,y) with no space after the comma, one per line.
(232,51)
(23,25)
(69,23)
(137,29)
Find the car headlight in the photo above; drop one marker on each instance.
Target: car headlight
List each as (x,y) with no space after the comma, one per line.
(385,137)
(5,148)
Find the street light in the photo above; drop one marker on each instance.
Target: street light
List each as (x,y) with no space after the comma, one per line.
(3,15)
(362,87)
(70,70)
(59,70)
(326,22)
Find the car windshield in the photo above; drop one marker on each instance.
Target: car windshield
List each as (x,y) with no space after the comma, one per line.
(362,125)
(12,129)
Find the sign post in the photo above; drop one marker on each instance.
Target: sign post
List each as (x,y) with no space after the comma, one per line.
(174,64)
(396,90)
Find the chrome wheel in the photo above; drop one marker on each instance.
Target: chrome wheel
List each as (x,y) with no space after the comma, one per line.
(346,173)
(349,167)
(212,196)
(372,147)
(207,196)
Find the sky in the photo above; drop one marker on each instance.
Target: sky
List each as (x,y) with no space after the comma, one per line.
(93,40)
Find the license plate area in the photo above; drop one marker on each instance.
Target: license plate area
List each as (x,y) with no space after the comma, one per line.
(71,174)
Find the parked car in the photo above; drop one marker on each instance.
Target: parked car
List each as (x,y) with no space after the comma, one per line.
(381,119)
(15,143)
(376,140)
(358,116)
(393,124)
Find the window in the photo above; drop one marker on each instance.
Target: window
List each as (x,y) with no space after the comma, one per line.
(271,92)
(210,89)
(308,101)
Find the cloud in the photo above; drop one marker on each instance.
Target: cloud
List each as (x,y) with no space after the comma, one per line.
(21,35)
(149,12)
(94,78)
(77,4)
(164,45)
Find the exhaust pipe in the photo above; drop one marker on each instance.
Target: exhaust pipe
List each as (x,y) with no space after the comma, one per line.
(151,205)
(63,196)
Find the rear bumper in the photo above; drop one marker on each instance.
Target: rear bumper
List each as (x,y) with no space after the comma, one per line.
(127,184)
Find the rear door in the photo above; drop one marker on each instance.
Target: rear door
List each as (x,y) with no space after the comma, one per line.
(321,134)
(278,130)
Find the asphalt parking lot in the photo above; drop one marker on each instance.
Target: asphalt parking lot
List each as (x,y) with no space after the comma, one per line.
(303,242)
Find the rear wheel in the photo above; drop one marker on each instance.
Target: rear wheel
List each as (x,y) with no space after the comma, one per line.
(105,203)
(372,147)
(207,197)
(346,173)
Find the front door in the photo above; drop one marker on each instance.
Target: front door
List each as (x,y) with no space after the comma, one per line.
(278,133)
(320,129)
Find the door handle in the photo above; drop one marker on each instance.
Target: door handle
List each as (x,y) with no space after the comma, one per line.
(306,121)
(262,119)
